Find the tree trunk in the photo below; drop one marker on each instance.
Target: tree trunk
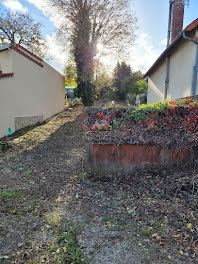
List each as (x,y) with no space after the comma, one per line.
(84,56)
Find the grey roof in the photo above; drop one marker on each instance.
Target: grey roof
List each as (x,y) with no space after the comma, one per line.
(167,51)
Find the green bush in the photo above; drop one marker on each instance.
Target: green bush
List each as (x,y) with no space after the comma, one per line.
(132,99)
(141,113)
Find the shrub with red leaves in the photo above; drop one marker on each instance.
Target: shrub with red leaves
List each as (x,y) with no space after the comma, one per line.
(180,114)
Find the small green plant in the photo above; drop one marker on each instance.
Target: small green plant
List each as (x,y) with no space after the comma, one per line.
(27,173)
(29,243)
(106,219)
(9,157)
(10,194)
(142,112)
(67,247)
(159,228)
(30,208)
(145,232)
(76,178)
(73,178)
(82,175)
(115,123)
(110,222)
(53,248)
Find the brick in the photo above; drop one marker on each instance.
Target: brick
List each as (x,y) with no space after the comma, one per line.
(177,20)
(29,52)
(6,75)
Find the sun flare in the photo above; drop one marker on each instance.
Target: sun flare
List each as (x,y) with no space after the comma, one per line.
(100,47)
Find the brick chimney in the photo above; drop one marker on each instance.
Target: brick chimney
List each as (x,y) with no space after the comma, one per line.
(177,19)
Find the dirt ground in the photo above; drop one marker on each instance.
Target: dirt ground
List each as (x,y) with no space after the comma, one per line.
(45,182)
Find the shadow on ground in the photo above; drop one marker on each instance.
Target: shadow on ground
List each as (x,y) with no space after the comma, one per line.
(44,183)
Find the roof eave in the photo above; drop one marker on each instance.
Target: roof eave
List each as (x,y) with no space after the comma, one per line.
(165,52)
(189,28)
(4,47)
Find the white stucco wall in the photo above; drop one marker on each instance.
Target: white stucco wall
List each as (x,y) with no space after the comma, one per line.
(33,91)
(156,85)
(6,65)
(181,74)
(181,71)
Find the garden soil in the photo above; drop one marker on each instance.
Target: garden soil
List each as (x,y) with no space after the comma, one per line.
(45,181)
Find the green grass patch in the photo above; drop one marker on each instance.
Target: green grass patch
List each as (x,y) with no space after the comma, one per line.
(11,194)
(10,156)
(145,232)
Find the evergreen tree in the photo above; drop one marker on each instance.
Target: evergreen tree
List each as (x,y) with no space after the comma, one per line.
(121,72)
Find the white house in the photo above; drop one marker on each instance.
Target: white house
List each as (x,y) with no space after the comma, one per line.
(174,73)
(30,89)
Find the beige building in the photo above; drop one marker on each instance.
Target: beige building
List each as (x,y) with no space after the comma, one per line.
(30,89)
(179,62)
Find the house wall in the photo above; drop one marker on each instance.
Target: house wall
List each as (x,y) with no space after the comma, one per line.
(181,74)
(33,94)
(181,71)
(6,62)
(156,83)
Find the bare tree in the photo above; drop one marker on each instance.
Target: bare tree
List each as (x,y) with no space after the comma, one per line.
(89,22)
(21,29)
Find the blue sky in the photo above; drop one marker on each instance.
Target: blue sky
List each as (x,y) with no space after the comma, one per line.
(153,16)
(151,34)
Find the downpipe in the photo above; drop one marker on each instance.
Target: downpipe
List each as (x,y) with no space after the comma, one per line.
(166,78)
(195,74)
(171,2)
